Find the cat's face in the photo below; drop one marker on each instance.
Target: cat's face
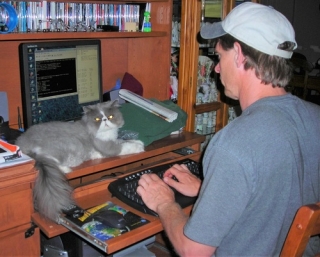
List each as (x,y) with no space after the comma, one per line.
(103,117)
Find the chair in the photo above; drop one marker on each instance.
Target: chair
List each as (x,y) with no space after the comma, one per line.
(305,224)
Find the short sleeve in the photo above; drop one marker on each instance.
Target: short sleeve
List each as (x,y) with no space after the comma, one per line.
(224,194)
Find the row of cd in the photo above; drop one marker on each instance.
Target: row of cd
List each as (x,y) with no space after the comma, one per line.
(58,16)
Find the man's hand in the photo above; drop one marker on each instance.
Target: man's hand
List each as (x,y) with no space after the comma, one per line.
(154,192)
(187,184)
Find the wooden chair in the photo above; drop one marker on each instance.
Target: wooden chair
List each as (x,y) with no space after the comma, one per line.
(305,224)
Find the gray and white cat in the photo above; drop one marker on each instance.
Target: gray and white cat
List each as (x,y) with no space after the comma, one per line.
(58,146)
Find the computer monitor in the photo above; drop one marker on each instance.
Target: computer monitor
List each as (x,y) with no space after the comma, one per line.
(58,78)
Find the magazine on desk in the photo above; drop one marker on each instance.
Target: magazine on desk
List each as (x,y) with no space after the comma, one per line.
(94,225)
(148,105)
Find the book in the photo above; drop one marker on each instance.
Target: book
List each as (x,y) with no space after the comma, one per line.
(148,105)
(95,230)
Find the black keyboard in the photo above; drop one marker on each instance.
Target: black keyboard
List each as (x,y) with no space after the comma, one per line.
(125,188)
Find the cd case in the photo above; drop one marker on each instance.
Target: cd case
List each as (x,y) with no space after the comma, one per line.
(96,226)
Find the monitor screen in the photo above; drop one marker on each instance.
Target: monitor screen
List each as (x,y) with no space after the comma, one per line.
(58,78)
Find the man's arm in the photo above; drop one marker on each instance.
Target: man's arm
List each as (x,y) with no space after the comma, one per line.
(160,198)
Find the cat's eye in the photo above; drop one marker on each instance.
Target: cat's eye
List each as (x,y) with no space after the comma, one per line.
(110,117)
(97,119)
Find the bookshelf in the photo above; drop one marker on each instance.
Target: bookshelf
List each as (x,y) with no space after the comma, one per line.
(188,64)
(18,237)
(144,55)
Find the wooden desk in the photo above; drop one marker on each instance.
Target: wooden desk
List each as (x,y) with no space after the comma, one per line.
(16,208)
(92,188)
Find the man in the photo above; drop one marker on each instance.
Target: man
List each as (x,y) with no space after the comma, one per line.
(263,165)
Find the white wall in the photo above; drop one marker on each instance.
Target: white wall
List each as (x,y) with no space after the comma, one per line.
(305,18)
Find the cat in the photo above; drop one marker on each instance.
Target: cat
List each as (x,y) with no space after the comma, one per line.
(58,146)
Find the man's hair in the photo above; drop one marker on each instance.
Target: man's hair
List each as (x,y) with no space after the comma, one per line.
(270,69)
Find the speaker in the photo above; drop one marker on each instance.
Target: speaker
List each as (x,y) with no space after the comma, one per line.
(6,133)
(4,108)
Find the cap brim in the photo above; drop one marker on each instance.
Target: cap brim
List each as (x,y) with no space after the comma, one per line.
(212,30)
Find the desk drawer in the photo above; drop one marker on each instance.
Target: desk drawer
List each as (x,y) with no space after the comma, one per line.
(13,242)
(15,207)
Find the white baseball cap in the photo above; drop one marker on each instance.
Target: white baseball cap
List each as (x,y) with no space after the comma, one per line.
(259,26)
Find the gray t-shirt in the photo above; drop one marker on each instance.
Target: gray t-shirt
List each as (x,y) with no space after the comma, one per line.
(258,171)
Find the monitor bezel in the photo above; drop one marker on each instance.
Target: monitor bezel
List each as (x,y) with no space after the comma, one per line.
(24,71)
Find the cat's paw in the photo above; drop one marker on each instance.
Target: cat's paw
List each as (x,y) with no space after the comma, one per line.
(65,169)
(132,146)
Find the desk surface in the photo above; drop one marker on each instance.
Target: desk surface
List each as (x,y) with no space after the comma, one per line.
(96,193)
(158,147)
(51,229)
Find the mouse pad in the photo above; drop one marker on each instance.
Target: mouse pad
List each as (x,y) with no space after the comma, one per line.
(95,221)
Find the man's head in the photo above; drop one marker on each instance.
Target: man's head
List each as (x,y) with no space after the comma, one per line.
(260,27)
(266,38)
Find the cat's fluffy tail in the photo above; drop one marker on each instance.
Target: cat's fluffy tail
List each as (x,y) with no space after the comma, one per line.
(52,191)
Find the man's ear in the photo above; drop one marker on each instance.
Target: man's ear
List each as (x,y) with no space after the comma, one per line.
(239,58)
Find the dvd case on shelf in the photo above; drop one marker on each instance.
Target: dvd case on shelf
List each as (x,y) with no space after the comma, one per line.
(67,16)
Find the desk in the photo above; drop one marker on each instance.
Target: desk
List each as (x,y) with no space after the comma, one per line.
(91,187)
(16,208)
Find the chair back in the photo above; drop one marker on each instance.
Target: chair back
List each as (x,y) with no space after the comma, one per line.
(305,224)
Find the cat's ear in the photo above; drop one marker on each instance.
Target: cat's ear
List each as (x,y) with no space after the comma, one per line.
(115,103)
(87,108)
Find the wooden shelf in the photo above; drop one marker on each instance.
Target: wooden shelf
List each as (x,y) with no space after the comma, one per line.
(208,107)
(121,52)
(131,1)
(157,148)
(78,35)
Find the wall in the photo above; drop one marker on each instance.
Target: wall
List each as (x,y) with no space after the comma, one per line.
(305,18)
